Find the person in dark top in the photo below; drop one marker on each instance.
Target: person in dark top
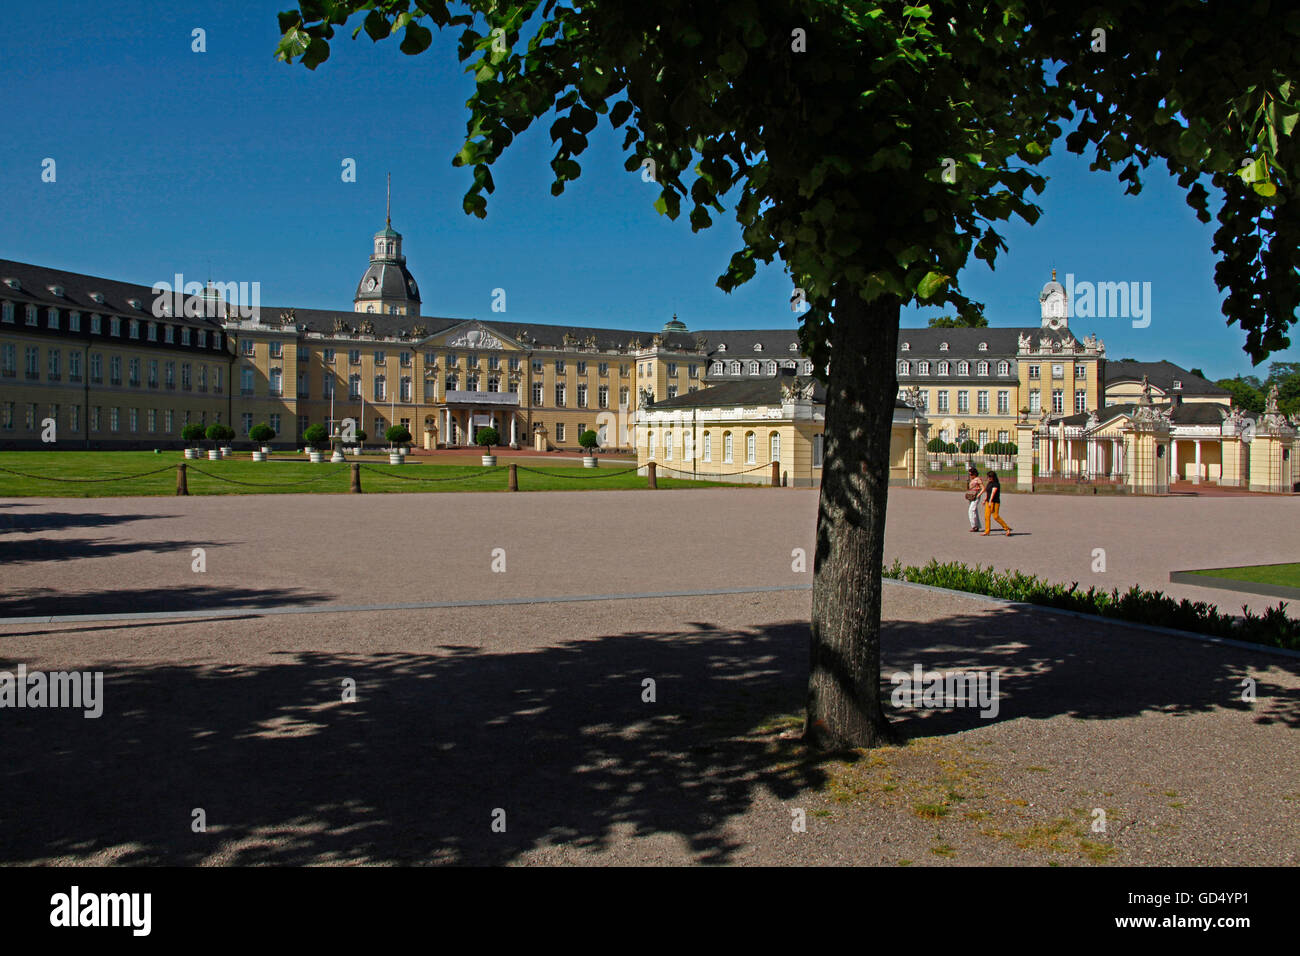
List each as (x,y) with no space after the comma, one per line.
(992,500)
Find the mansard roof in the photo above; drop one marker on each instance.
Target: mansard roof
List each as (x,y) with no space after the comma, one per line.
(1161,375)
(753,391)
(34,286)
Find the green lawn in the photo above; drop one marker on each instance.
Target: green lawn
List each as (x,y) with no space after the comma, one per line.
(1285,575)
(286,477)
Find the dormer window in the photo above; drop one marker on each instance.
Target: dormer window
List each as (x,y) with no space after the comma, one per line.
(97,297)
(794,346)
(722,346)
(14,284)
(134,303)
(943,346)
(56,290)
(758,346)
(907,346)
(983,346)
(1178,383)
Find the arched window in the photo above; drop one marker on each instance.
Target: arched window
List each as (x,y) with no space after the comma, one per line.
(904,368)
(650,443)
(907,347)
(774,446)
(708,446)
(688,447)
(751,449)
(668,446)
(735,368)
(922,368)
(963,368)
(716,369)
(943,346)
(771,368)
(984,347)
(726,447)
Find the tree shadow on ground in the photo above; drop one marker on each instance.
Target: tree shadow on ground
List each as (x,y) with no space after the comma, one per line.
(18,551)
(59,520)
(558,736)
(43,602)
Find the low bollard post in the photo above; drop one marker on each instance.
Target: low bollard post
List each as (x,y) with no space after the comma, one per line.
(356,478)
(512,482)
(182,484)
(776,474)
(653,480)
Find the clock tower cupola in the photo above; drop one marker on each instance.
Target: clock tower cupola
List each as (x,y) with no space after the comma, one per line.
(387,286)
(1055,306)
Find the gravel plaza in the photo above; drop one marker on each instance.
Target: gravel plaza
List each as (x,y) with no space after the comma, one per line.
(499,652)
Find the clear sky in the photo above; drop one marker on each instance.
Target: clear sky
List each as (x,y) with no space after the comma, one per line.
(228,163)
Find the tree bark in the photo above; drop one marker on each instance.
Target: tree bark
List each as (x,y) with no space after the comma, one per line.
(844,695)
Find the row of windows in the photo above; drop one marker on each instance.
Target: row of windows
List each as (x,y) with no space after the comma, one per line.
(1058,371)
(152,372)
(150,420)
(943,347)
(758,368)
(660,444)
(945,368)
(1058,401)
(151,331)
(982,398)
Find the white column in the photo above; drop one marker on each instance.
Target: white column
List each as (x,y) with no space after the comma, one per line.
(1069,454)
(1197,478)
(446,426)
(1173,460)
(513,422)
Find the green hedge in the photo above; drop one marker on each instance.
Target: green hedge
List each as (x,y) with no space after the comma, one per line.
(1272,628)
(1003,448)
(941,447)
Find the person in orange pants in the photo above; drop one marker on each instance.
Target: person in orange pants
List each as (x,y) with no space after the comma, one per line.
(992,500)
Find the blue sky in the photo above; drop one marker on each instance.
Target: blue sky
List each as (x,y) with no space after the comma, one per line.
(229,162)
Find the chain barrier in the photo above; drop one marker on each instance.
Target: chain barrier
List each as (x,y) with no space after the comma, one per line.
(143,474)
(391,474)
(607,474)
(264,484)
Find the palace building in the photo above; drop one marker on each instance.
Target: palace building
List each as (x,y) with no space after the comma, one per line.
(116,365)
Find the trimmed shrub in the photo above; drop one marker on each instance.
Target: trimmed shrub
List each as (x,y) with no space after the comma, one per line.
(968,447)
(220,433)
(398,435)
(193,433)
(487,437)
(261,433)
(317,437)
(589,439)
(1273,628)
(1004,448)
(939,446)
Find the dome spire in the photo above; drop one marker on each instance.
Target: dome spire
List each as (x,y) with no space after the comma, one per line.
(388,207)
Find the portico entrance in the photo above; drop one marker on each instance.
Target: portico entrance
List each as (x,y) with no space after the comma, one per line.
(464,413)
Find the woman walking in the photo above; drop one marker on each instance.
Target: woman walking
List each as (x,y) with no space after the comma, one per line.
(992,500)
(974,489)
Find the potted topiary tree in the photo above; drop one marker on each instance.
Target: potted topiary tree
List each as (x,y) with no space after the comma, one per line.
(317,438)
(192,435)
(215,434)
(260,435)
(361,441)
(488,437)
(589,440)
(397,436)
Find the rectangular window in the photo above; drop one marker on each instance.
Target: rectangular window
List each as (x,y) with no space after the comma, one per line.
(153,336)
(1058,400)
(33,361)
(245,381)
(381,388)
(668,446)
(623,394)
(1081,371)
(168,421)
(984,437)
(1058,370)
(672,391)
(981,403)
(74,418)
(818,450)
(275,424)
(327,386)
(1080,401)
(602,368)
(185,337)
(582,395)
(602,396)
(559,395)
(245,423)
(751,448)
(114,422)
(74,366)
(354,386)
(559,366)
(94,418)
(582,368)
(405,359)
(963,402)
(328,356)
(515,363)
(537,366)
(277,381)
(115,370)
(537,393)
(153,373)
(53,368)
(1004,436)
(53,316)
(1034,371)
(31,316)
(1004,402)
(302,385)
(277,350)
(133,372)
(380,358)
(943,401)
(169,334)
(247,347)
(7,313)
(405,394)
(9,360)
(151,420)
(354,356)
(708,446)
(559,431)
(96,368)
(1035,402)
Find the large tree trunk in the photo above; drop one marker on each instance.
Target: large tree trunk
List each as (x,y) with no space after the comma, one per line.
(844,699)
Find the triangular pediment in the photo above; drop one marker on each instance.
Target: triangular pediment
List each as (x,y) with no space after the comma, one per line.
(475,335)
